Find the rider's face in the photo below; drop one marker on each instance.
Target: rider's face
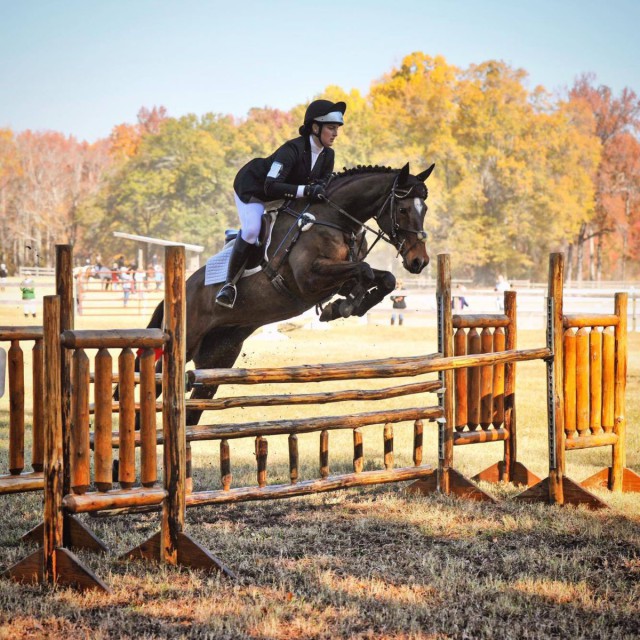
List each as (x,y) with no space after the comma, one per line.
(328,134)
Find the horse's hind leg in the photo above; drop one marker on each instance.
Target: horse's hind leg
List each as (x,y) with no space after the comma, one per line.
(219,349)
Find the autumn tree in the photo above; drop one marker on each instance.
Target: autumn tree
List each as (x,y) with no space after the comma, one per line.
(614,119)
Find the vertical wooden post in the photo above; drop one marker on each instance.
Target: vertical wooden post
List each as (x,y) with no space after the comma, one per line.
(225,465)
(64,290)
(474,345)
(608,378)
(582,381)
(15,358)
(554,380)
(388,446)
(324,453)
(486,381)
(102,448)
(595,381)
(37,434)
(569,384)
(53,452)
(445,346)
(127,427)
(418,427)
(148,439)
(619,449)
(461,382)
(293,458)
(173,406)
(358,451)
(510,422)
(80,445)
(262,451)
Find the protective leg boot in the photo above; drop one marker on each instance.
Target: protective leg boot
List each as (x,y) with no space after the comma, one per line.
(227,295)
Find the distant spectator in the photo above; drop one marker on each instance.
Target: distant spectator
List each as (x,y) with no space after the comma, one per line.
(399,300)
(28,289)
(127,284)
(501,286)
(458,300)
(3,276)
(158,276)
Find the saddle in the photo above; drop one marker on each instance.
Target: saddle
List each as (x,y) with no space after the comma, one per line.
(258,251)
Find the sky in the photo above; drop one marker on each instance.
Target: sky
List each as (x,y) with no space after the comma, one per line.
(82,67)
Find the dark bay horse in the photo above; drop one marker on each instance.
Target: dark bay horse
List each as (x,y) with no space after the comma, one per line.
(308,267)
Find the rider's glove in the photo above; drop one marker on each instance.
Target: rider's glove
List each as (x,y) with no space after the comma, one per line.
(315,191)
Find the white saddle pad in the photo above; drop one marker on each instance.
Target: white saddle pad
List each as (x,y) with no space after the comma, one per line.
(217,266)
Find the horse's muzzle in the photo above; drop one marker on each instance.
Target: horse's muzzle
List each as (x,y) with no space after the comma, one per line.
(416,265)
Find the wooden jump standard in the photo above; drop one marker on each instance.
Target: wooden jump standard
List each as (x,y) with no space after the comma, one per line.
(586,389)
(54,562)
(482,396)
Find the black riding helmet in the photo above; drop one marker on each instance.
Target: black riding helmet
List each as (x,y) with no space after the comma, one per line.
(323,112)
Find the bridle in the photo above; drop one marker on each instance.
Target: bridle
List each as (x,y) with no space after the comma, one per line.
(390,206)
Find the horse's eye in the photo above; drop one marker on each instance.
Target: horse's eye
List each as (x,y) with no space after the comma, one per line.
(403,210)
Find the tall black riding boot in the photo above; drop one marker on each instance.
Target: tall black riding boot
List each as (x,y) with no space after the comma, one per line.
(237,262)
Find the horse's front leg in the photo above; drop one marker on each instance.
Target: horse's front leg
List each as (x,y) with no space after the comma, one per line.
(385,283)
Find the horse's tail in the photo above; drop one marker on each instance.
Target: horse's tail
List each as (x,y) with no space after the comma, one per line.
(154,323)
(156,318)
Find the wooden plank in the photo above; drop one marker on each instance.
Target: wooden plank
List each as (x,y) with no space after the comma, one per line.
(487,320)
(309,425)
(307,487)
(421,365)
(113,338)
(587,320)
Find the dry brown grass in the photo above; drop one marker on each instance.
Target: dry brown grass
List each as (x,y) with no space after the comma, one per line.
(362,563)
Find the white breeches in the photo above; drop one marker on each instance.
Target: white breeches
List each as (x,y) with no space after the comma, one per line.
(250,219)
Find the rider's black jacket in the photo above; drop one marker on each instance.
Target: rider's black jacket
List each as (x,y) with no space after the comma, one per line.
(278,176)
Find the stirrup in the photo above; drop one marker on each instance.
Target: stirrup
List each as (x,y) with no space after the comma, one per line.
(227,295)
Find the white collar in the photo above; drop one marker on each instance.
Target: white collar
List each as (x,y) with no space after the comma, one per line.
(315,148)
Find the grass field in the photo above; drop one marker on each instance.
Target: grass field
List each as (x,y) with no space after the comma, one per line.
(370,563)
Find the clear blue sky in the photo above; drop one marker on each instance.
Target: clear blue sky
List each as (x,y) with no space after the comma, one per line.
(83,66)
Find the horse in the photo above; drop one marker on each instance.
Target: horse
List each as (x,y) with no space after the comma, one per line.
(104,274)
(320,251)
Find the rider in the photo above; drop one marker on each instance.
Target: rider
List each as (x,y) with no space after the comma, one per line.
(299,168)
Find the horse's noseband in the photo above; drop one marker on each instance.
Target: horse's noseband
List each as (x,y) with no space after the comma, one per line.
(394,196)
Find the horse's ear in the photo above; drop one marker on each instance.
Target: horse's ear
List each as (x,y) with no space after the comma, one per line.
(425,174)
(404,174)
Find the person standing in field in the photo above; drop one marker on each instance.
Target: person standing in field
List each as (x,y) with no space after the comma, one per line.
(28,289)
(3,276)
(299,168)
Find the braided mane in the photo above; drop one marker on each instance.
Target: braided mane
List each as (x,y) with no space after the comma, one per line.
(363,169)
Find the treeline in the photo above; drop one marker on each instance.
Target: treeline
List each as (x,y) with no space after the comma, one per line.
(519,172)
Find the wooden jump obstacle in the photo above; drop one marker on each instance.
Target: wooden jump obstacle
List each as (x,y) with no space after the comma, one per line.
(416,413)
(67,450)
(67,461)
(482,406)
(586,394)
